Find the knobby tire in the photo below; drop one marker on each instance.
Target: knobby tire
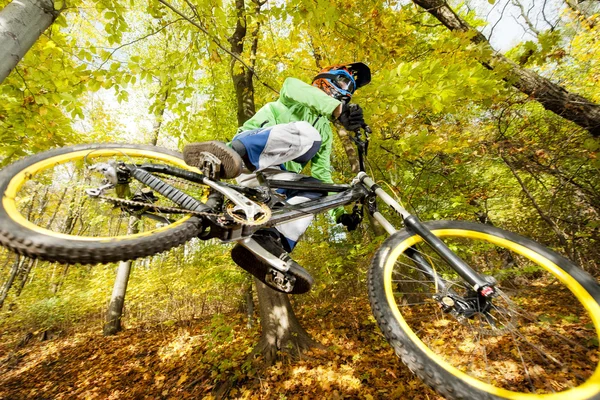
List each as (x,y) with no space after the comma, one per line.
(408,337)
(24,237)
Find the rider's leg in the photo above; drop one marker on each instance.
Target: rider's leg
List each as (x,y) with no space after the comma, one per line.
(260,148)
(297,279)
(281,239)
(272,146)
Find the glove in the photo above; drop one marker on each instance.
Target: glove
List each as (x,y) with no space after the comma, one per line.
(350,221)
(351,117)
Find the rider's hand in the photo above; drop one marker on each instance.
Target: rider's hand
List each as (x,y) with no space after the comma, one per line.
(350,221)
(352,117)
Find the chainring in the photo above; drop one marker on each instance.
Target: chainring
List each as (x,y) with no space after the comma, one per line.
(262,219)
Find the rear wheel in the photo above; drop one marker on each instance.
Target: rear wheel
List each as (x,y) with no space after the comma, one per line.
(537,338)
(46,213)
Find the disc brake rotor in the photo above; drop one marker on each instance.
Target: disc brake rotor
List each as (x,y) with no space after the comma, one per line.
(499,320)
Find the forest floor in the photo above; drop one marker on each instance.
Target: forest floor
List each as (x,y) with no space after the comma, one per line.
(192,359)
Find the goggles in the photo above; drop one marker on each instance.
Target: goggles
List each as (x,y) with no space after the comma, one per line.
(341,79)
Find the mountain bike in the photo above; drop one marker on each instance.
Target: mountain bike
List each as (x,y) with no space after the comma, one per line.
(475,311)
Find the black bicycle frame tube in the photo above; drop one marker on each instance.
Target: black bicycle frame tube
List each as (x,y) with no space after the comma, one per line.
(308,186)
(192,176)
(461,267)
(412,223)
(288,213)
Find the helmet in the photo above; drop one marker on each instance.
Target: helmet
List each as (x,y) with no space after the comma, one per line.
(341,80)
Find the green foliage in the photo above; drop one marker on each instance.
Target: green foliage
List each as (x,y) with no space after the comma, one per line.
(444,127)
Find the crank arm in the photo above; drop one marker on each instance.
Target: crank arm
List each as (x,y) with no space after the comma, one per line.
(264,255)
(250,208)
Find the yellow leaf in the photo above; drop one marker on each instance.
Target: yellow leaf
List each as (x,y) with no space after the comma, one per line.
(182,379)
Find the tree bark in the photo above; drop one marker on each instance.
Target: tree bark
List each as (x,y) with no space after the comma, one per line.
(241,76)
(249,303)
(25,274)
(158,121)
(349,148)
(281,330)
(117,300)
(9,282)
(56,285)
(21,24)
(551,96)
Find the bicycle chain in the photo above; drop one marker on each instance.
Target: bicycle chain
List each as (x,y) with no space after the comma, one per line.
(158,208)
(166,209)
(171,178)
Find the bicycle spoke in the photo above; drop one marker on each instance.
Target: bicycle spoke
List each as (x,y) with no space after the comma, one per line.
(500,330)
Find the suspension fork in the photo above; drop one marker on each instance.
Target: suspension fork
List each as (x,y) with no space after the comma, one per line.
(477,282)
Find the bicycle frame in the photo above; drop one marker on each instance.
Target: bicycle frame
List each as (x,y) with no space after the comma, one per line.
(363,189)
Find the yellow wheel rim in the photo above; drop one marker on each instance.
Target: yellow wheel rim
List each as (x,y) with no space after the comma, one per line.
(15,184)
(585,391)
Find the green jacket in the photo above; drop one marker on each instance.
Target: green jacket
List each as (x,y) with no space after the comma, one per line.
(299,101)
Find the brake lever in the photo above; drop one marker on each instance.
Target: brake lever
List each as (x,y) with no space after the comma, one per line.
(364,144)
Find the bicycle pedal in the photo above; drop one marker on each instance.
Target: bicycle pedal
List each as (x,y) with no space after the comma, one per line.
(280,280)
(209,164)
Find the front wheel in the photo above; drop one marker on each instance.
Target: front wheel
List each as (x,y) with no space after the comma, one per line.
(46,211)
(536,339)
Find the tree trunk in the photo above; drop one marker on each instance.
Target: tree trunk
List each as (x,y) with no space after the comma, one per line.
(56,285)
(249,304)
(349,148)
(241,76)
(117,300)
(21,24)
(9,282)
(281,331)
(162,106)
(551,96)
(280,326)
(25,271)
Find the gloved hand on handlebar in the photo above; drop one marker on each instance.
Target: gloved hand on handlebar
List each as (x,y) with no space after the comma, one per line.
(350,221)
(352,117)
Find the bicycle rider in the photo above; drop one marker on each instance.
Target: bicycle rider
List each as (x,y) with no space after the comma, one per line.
(279,140)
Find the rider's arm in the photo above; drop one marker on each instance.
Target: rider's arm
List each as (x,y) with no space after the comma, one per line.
(294,91)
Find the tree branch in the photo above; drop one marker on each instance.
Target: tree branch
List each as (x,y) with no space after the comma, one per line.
(525,16)
(135,41)
(216,41)
(551,96)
